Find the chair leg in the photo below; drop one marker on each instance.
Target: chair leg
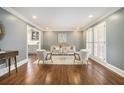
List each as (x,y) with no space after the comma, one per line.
(51,58)
(74,57)
(38,61)
(6,63)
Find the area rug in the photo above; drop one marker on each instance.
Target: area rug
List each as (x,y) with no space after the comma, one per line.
(60,60)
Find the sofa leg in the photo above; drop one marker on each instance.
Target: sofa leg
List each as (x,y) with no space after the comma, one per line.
(51,61)
(74,60)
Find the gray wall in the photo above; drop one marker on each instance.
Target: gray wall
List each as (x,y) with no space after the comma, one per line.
(84,39)
(74,38)
(15,34)
(41,39)
(32,49)
(114,38)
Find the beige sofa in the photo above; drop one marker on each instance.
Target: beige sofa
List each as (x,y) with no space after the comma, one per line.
(62,49)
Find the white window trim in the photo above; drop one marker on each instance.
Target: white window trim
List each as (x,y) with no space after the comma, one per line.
(94,42)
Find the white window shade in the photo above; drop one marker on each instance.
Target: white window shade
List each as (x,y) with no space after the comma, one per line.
(100,41)
(96,41)
(89,40)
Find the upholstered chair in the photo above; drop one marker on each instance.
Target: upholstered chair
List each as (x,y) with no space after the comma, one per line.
(82,56)
(43,55)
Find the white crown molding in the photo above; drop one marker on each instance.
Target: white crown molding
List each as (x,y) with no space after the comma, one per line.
(60,29)
(100,18)
(12,11)
(15,13)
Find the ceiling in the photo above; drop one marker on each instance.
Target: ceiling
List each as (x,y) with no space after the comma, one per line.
(62,18)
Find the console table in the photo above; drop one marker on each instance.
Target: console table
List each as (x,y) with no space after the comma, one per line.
(8,55)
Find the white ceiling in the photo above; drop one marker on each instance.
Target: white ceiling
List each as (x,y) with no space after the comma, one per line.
(62,18)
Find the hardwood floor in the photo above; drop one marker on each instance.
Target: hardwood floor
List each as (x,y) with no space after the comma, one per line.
(30,73)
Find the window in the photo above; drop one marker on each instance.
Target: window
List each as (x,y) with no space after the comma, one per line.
(96,41)
(100,41)
(89,40)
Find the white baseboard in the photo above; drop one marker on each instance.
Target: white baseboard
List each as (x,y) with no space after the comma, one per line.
(109,66)
(4,69)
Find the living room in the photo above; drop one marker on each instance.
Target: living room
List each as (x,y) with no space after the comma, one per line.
(59,46)
(69,42)
(59,43)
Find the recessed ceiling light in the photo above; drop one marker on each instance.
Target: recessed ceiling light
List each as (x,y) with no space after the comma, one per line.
(34,17)
(77,27)
(90,16)
(47,28)
(75,30)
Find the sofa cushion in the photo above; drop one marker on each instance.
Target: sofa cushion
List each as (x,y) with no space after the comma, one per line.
(57,48)
(63,49)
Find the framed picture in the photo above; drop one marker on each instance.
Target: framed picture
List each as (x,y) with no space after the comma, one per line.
(62,37)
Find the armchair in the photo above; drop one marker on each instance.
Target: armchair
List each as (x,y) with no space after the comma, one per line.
(43,55)
(82,56)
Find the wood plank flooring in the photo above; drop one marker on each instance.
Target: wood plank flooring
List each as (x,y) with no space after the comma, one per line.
(90,74)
